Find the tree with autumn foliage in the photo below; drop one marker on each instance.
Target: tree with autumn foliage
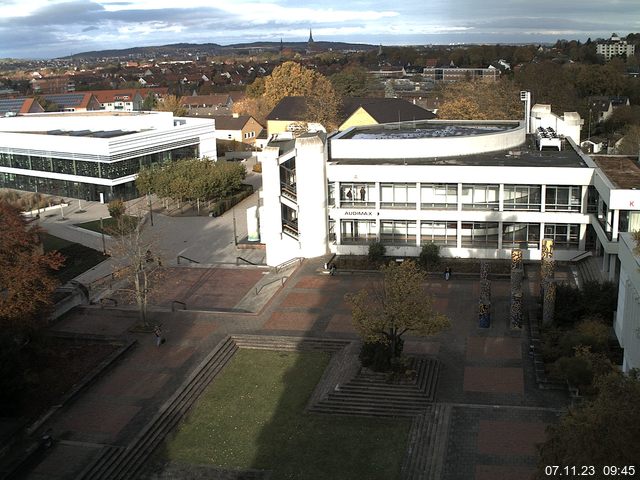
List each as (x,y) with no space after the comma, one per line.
(602,430)
(26,283)
(480,100)
(293,79)
(171,103)
(395,305)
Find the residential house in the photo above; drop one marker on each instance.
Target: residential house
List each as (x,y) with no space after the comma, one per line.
(291,111)
(123,100)
(241,128)
(15,106)
(207,105)
(601,108)
(74,102)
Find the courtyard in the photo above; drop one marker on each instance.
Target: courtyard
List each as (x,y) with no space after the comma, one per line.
(487,408)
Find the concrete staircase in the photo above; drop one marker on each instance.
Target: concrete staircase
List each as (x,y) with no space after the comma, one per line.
(119,463)
(589,270)
(372,394)
(116,463)
(427,444)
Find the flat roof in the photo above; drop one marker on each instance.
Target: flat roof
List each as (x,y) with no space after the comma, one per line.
(428,129)
(527,155)
(88,133)
(623,171)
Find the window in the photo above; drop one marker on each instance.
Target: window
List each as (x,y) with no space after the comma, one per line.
(520,235)
(289,221)
(522,197)
(357,195)
(479,234)
(564,236)
(288,179)
(440,233)
(565,199)
(398,195)
(357,231)
(332,231)
(331,194)
(397,232)
(61,165)
(439,196)
(480,197)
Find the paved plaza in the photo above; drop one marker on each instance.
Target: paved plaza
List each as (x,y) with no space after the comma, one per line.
(498,414)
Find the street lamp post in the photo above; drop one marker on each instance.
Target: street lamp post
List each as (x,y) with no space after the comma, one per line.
(104,246)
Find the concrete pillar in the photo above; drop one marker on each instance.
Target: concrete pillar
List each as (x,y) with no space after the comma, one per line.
(543,198)
(612,267)
(614,225)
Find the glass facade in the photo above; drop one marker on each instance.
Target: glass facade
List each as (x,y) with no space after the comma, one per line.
(358,231)
(520,235)
(440,233)
(563,198)
(480,197)
(87,191)
(398,232)
(564,236)
(66,188)
(479,234)
(357,195)
(441,196)
(398,195)
(522,197)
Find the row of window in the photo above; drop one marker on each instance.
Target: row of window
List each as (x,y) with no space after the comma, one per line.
(83,168)
(444,196)
(65,188)
(472,234)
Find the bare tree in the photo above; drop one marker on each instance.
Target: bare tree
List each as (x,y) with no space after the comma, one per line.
(136,262)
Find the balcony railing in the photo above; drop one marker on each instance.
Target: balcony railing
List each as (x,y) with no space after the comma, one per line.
(290,228)
(289,191)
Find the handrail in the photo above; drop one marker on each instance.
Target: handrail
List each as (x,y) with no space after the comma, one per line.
(288,262)
(281,279)
(581,256)
(104,301)
(245,260)
(174,302)
(187,259)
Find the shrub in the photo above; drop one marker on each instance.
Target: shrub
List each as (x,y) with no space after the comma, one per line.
(257,167)
(595,299)
(576,370)
(377,355)
(376,251)
(593,332)
(116,208)
(429,256)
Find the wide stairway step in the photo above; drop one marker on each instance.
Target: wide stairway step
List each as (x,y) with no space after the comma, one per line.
(125,463)
(427,445)
(372,393)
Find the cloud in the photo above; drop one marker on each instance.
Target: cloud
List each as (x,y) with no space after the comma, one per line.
(89,29)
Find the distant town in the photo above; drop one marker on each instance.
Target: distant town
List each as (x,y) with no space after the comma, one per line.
(321,260)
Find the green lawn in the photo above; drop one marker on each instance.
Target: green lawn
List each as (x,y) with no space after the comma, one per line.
(109,224)
(252,417)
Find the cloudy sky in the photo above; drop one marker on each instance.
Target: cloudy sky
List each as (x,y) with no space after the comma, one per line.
(50,28)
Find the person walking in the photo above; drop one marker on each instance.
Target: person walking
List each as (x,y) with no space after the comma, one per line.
(158,333)
(447,273)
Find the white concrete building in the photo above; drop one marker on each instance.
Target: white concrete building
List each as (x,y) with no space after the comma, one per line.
(613,47)
(95,155)
(627,321)
(477,189)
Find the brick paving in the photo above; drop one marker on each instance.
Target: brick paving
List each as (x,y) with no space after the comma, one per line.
(498,413)
(494,380)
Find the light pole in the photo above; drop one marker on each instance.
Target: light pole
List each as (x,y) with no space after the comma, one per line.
(150,209)
(104,247)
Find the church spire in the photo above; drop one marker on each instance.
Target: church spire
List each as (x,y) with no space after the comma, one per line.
(310,37)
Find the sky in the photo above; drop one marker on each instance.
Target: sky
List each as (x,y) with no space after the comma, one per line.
(56,28)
